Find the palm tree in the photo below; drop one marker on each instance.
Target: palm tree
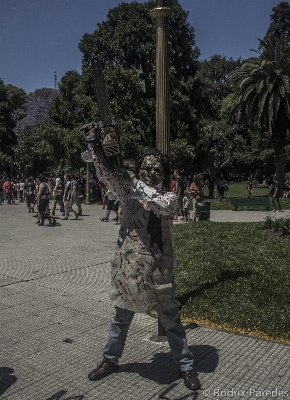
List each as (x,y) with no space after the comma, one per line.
(262,95)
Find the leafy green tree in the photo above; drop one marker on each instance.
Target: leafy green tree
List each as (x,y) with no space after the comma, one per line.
(214,74)
(32,152)
(261,95)
(219,146)
(75,105)
(125,44)
(11,97)
(280,21)
(183,155)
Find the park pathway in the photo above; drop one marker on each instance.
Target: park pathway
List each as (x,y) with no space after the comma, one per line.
(55,315)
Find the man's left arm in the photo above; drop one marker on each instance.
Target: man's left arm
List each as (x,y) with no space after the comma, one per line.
(164,203)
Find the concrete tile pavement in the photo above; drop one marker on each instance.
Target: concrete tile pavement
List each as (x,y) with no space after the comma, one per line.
(54,285)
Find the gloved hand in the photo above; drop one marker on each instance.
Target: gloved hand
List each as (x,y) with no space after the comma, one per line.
(89,130)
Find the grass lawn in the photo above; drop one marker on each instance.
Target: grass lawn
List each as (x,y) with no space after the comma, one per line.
(239,190)
(233,276)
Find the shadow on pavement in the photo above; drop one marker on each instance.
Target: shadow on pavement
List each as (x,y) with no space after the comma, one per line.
(6,379)
(59,396)
(206,361)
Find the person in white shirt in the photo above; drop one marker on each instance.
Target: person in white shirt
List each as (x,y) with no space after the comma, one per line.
(111,206)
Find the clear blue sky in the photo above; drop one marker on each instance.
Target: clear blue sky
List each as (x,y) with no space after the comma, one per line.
(38,37)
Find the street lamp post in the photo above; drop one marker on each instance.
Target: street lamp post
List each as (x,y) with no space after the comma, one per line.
(161,14)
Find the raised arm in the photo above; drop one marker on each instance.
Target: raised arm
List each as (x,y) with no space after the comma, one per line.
(114,182)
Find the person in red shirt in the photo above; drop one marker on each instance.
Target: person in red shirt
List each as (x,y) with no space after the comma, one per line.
(8,187)
(173,184)
(196,188)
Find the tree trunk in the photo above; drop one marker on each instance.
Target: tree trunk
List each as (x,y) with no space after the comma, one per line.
(279,142)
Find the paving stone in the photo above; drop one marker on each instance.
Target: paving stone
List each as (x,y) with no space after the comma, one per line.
(54,285)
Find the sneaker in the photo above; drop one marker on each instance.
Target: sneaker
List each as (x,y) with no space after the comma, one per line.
(105,368)
(190,379)
(65,218)
(104,219)
(274,210)
(76,216)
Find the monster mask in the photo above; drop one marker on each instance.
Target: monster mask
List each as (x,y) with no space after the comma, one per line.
(152,170)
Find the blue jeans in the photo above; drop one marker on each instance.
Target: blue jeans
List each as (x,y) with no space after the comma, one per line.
(169,317)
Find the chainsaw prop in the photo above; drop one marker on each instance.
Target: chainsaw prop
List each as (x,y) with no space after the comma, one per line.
(102,137)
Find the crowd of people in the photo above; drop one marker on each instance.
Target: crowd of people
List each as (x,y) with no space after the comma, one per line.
(64,192)
(196,192)
(37,193)
(67,191)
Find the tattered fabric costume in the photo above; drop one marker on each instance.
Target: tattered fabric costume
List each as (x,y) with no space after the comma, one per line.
(143,262)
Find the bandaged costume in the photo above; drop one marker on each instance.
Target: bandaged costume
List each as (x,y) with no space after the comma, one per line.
(142,264)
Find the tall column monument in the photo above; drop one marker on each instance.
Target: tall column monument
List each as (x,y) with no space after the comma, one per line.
(161,14)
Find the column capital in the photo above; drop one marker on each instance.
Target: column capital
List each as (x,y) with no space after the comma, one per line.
(161,12)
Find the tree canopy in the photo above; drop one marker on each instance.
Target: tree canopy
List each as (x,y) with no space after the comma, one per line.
(280,21)
(11,98)
(262,94)
(32,152)
(125,44)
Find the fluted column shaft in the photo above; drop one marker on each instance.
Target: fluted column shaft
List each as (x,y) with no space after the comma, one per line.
(161,16)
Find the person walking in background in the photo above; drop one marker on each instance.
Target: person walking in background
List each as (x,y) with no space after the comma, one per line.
(186,198)
(43,200)
(173,184)
(58,190)
(274,193)
(67,198)
(21,190)
(8,187)
(180,187)
(29,194)
(111,206)
(249,188)
(196,188)
(103,191)
(221,186)
(94,188)
(75,199)
(196,193)
(15,191)
(1,194)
